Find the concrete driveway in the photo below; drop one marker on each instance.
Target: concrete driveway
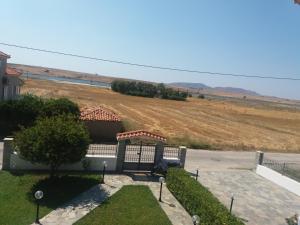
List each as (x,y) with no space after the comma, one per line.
(228,160)
(257,200)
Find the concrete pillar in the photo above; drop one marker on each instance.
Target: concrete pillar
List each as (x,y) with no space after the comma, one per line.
(259,157)
(7,151)
(159,153)
(121,155)
(182,155)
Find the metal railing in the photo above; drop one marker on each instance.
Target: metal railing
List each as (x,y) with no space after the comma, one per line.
(133,153)
(291,170)
(103,149)
(171,152)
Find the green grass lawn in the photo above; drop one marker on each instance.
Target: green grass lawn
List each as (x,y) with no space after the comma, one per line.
(17,204)
(132,205)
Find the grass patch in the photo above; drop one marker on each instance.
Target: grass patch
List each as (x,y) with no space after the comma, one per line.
(132,205)
(197,199)
(189,142)
(129,125)
(17,204)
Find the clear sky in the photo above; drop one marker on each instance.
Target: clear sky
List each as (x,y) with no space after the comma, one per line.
(260,37)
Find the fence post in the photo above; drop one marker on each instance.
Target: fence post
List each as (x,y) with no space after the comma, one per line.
(121,155)
(159,153)
(7,151)
(182,155)
(259,157)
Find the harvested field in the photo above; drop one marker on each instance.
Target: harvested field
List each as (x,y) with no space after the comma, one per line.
(218,124)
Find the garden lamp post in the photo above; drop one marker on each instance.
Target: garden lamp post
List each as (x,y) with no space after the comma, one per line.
(197,174)
(103,170)
(231,204)
(38,196)
(161,181)
(196,219)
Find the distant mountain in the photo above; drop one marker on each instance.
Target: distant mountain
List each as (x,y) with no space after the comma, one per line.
(230,90)
(189,85)
(237,90)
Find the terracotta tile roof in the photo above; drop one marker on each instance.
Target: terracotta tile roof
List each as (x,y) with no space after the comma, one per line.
(12,72)
(3,55)
(140,134)
(98,114)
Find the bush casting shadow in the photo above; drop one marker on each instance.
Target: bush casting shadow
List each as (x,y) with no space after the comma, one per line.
(59,190)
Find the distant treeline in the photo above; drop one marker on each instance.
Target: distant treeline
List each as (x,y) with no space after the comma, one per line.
(147,90)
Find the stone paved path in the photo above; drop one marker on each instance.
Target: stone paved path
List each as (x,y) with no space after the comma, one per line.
(84,203)
(257,200)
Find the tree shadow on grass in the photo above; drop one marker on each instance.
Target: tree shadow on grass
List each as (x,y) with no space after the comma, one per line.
(59,190)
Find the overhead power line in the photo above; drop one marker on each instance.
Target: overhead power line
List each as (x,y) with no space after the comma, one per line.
(152,66)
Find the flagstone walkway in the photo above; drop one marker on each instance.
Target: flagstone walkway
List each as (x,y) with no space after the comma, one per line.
(81,205)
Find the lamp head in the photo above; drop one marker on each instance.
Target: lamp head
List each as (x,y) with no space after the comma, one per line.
(196,219)
(161,180)
(104,163)
(38,195)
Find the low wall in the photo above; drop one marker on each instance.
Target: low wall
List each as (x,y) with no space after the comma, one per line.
(279,179)
(94,163)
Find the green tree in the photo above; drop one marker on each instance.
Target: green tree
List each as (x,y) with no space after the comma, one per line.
(56,107)
(53,141)
(21,112)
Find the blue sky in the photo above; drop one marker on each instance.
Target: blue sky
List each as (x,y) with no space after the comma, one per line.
(249,37)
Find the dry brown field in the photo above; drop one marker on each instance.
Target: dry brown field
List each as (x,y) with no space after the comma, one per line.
(221,124)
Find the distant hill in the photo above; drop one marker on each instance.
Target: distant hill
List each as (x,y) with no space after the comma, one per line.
(205,88)
(237,90)
(189,85)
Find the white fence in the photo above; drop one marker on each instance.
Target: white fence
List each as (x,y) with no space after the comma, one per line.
(279,179)
(89,163)
(113,154)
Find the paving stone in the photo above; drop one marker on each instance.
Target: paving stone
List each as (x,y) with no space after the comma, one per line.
(81,205)
(257,200)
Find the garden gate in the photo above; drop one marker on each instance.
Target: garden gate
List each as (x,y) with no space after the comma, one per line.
(139,157)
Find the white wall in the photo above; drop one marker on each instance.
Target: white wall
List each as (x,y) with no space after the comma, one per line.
(95,164)
(279,179)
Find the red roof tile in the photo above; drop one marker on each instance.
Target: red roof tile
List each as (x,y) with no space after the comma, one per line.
(12,72)
(98,114)
(140,134)
(3,55)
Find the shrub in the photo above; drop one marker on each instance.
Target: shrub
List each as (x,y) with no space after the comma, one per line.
(147,90)
(21,112)
(24,111)
(197,199)
(53,141)
(56,107)
(202,96)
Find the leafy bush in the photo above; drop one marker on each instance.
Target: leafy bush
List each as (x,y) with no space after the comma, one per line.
(197,199)
(56,107)
(24,111)
(202,96)
(147,90)
(53,141)
(21,112)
